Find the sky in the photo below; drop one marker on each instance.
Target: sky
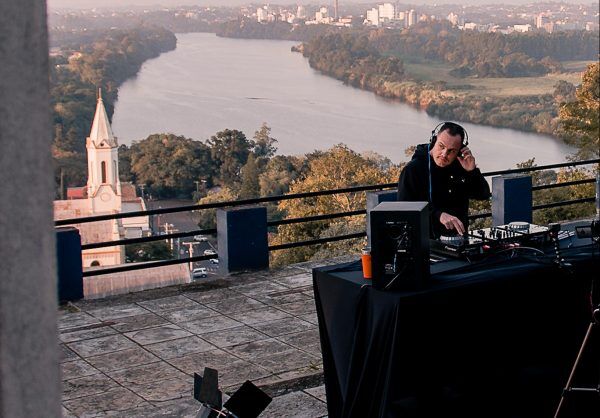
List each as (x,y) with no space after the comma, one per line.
(86,4)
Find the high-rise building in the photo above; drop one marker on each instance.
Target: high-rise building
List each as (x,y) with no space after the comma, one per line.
(261,15)
(373,17)
(387,11)
(412,17)
(301,12)
(453,18)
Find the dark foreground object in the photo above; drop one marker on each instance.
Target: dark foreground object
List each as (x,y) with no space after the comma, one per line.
(492,339)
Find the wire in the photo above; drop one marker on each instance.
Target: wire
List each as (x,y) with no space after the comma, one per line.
(429,172)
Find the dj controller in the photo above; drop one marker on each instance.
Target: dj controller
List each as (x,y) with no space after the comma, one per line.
(485,241)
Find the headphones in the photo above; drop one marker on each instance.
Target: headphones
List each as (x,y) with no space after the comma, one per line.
(454,128)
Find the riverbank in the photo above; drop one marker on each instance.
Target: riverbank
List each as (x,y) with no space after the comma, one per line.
(528,104)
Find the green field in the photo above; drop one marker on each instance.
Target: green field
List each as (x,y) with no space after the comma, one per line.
(516,86)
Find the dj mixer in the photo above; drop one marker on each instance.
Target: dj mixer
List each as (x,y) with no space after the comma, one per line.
(489,240)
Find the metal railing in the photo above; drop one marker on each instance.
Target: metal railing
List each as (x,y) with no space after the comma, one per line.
(270,199)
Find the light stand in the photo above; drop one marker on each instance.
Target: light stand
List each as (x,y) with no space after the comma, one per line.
(593,232)
(247,402)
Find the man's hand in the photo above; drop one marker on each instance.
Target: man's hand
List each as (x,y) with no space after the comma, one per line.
(466,159)
(452,222)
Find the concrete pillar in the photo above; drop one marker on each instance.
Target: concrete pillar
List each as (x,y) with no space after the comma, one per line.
(29,371)
(511,199)
(375,198)
(242,239)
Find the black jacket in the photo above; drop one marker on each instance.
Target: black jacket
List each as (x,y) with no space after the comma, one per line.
(451,188)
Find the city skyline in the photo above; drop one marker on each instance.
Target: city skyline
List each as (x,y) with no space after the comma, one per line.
(84,4)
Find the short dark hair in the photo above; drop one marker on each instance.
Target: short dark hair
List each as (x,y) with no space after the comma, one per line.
(453,129)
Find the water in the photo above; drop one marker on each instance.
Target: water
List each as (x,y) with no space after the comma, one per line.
(208,84)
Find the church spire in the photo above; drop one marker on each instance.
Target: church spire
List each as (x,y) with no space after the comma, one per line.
(101,132)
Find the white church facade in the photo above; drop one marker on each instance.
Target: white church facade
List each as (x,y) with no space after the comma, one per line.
(104,194)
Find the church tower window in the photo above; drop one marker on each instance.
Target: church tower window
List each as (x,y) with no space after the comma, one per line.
(103,168)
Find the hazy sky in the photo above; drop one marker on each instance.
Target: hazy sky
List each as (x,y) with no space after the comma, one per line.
(112,3)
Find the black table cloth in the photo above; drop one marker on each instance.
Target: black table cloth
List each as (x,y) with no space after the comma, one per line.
(495,338)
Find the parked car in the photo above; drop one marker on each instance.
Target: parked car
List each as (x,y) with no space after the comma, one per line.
(199,273)
(209,252)
(200,238)
(214,260)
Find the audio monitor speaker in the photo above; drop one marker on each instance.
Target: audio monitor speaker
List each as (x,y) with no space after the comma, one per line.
(400,245)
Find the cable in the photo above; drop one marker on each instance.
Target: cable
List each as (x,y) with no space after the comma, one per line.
(429,171)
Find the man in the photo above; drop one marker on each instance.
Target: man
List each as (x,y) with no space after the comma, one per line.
(444,173)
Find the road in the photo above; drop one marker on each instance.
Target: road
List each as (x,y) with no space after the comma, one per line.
(180,222)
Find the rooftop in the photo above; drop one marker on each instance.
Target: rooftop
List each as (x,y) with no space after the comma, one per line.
(135,354)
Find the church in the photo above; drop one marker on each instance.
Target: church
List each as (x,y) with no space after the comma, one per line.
(104,194)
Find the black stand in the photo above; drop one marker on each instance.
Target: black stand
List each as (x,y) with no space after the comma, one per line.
(594,324)
(569,389)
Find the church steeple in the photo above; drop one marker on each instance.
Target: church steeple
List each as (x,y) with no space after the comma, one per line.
(103,158)
(101,133)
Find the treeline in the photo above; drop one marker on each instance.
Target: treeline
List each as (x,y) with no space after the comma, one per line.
(350,57)
(251,29)
(487,54)
(104,61)
(175,166)
(355,58)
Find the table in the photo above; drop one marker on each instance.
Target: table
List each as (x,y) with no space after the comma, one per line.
(490,339)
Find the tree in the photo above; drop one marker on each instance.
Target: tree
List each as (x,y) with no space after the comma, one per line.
(580,118)
(229,150)
(207,217)
(250,171)
(264,144)
(336,168)
(148,251)
(169,164)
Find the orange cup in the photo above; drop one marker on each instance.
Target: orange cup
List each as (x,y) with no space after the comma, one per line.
(366,263)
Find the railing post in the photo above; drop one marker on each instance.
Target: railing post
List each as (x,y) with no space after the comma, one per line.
(511,199)
(375,198)
(68,264)
(242,239)
(598,195)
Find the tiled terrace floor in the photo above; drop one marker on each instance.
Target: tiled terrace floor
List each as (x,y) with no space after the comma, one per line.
(135,355)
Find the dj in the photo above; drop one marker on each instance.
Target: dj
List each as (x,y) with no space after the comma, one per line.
(444,174)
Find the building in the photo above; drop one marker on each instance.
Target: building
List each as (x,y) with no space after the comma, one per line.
(453,18)
(411,17)
(301,12)
(322,16)
(372,17)
(522,28)
(104,194)
(387,12)
(261,15)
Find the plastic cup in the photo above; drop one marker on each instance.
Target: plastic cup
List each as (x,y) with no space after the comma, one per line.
(366,263)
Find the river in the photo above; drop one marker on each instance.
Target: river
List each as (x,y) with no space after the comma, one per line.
(209,83)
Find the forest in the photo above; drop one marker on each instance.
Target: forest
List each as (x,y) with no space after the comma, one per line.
(374,60)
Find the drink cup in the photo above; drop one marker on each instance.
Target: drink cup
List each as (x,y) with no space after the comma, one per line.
(366,263)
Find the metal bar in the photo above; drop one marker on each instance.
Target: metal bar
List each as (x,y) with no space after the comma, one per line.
(148,239)
(223,204)
(316,218)
(288,196)
(564,184)
(481,215)
(316,241)
(542,167)
(148,265)
(564,203)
